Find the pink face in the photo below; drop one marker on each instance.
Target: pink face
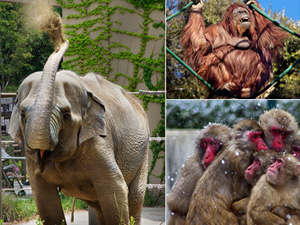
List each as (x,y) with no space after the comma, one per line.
(211,146)
(274,169)
(250,171)
(279,138)
(256,137)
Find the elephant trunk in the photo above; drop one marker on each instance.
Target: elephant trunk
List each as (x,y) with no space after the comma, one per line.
(38,134)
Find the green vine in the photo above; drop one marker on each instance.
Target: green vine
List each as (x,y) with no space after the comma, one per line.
(101,20)
(146,4)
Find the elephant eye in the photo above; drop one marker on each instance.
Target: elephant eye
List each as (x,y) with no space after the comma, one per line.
(22,113)
(67,115)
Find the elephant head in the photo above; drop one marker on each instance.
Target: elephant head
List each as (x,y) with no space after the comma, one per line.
(54,113)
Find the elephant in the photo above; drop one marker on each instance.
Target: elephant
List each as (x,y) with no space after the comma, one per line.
(83,136)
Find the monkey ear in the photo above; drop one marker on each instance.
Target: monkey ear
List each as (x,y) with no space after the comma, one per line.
(93,123)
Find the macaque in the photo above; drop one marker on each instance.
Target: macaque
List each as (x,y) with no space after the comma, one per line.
(280,129)
(223,181)
(260,163)
(209,144)
(278,188)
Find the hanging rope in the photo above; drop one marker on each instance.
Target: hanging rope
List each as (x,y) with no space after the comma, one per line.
(252,6)
(189,68)
(180,11)
(176,57)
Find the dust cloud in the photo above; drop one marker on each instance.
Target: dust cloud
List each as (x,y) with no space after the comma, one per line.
(40,15)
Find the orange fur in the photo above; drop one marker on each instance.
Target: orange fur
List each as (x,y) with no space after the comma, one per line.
(241,72)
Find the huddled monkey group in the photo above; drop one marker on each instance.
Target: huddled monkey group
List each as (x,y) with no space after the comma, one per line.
(249,174)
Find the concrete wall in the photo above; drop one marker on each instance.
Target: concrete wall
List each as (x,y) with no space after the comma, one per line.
(180,144)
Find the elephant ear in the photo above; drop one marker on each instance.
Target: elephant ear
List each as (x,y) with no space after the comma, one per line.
(14,125)
(93,123)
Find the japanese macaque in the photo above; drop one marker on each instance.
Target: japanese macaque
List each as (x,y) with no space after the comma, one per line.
(210,143)
(280,129)
(223,181)
(260,163)
(279,188)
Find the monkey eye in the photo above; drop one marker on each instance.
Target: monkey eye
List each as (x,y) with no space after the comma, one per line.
(204,143)
(279,161)
(255,134)
(257,161)
(275,130)
(295,149)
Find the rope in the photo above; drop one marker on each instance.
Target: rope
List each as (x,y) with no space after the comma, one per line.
(260,12)
(279,77)
(189,68)
(176,57)
(272,20)
(284,28)
(180,11)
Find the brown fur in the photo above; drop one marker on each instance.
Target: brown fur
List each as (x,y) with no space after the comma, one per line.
(223,182)
(281,119)
(239,208)
(266,196)
(214,52)
(180,196)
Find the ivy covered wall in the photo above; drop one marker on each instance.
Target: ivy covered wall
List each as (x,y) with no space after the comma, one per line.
(122,40)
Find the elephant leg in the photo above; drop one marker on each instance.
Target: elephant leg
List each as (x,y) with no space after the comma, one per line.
(137,190)
(46,198)
(114,201)
(96,207)
(110,185)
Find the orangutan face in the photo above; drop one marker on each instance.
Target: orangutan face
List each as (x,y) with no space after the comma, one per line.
(241,19)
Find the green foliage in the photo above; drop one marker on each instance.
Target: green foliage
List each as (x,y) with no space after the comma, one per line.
(158,147)
(154,198)
(22,51)
(68,201)
(39,221)
(132,222)
(195,114)
(18,209)
(146,4)
(288,87)
(96,54)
